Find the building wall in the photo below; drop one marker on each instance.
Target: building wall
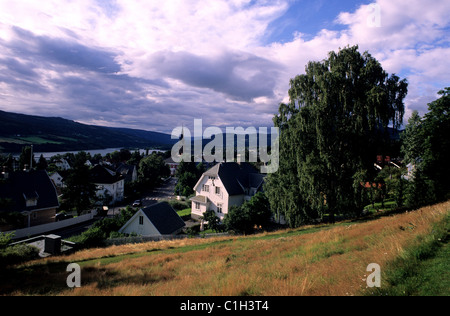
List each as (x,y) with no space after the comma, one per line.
(40,217)
(223,198)
(147,229)
(115,190)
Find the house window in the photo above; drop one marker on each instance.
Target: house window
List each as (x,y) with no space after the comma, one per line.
(205,188)
(141,220)
(212,178)
(219,208)
(31,202)
(197,205)
(218,190)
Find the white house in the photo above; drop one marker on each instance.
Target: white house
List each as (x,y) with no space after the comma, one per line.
(58,179)
(224,185)
(62,164)
(108,183)
(156,220)
(172,165)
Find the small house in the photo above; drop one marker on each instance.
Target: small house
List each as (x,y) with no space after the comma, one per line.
(29,193)
(156,220)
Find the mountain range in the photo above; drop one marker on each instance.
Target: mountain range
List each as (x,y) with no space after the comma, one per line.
(49,134)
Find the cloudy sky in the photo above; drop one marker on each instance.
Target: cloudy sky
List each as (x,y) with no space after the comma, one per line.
(155,65)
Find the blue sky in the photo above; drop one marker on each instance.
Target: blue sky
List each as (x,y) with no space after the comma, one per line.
(157,65)
(309,17)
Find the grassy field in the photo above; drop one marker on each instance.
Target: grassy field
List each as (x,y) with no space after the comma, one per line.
(313,260)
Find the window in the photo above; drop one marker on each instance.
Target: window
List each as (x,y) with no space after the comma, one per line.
(211,178)
(219,208)
(141,220)
(31,202)
(197,205)
(218,190)
(205,188)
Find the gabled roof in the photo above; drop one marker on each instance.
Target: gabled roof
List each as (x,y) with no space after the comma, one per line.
(102,175)
(21,186)
(236,177)
(126,171)
(164,218)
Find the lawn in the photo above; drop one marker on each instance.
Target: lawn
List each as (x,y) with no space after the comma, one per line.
(185,212)
(313,260)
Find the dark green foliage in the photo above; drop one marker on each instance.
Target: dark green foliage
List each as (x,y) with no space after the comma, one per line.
(79,193)
(152,169)
(426,147)
(213,221)
(17,254)
(238,221)
(254,213)
(436,157)
(103,229)
(331,131)
(188,174)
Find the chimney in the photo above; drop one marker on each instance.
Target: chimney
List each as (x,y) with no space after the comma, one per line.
(5,174)
(239,159)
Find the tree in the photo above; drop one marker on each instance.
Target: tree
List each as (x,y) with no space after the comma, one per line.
(26,158)
(336,121)
(258,209)
(152,169)
(79,193)
(213,220)
(238,220)
(42,163)
(436,153)
(188,174)
(412,140)
(185,184)
(254,213)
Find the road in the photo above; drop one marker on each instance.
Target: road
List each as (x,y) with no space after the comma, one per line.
(164,192)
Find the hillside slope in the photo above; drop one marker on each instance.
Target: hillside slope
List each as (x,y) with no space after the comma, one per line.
(59,134)
(315,260)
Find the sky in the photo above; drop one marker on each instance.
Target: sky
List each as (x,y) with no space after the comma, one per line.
(156,65)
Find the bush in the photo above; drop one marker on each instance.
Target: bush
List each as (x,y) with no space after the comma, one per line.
(103,229)
(18,254)
(179,206)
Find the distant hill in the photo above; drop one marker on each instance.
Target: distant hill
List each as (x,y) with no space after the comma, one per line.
(59,134)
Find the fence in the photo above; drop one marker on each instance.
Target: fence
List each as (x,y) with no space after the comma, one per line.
(43,229)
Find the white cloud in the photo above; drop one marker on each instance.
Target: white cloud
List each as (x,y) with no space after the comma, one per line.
(214,63)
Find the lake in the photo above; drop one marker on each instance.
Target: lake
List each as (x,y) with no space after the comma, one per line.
(103,152)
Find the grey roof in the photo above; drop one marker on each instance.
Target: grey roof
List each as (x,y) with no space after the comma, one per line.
(164,218)
(22,185)
(235,177)
(102,175)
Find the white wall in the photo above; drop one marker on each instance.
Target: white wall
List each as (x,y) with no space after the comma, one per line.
(148,229)
(223,198)
(115,190)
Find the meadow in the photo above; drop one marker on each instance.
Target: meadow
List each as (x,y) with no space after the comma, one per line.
(320,260)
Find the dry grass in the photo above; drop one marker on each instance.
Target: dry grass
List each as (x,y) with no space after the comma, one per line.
(331,261)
